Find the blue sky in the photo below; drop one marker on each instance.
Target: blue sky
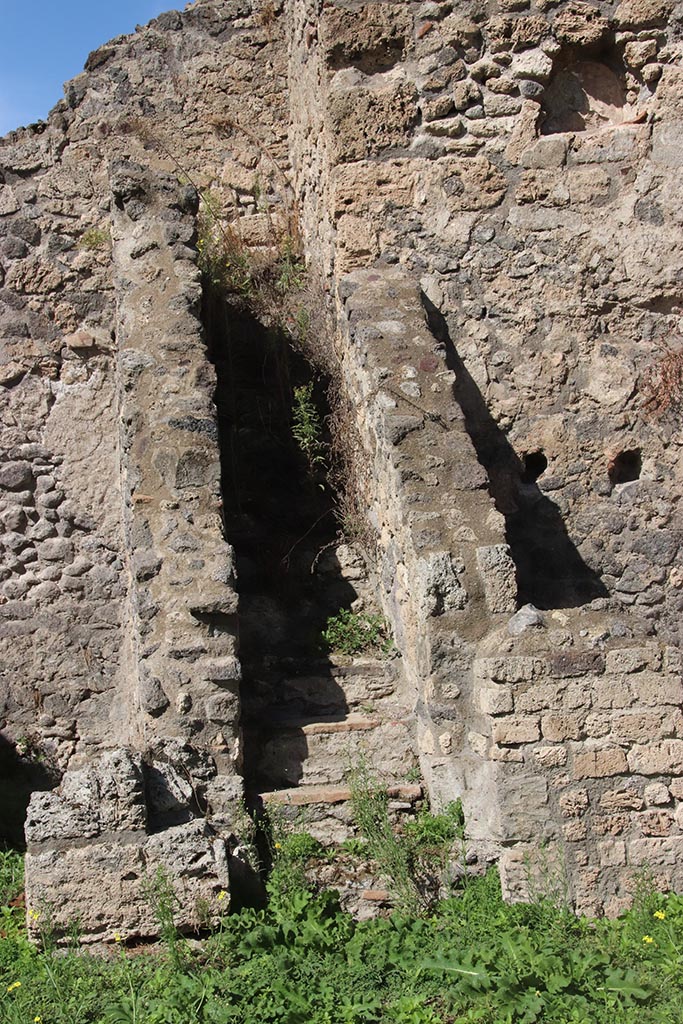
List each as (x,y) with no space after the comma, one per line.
(44,43)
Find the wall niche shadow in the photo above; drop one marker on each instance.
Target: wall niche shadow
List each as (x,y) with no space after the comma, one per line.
(19,777)
(550,571)
(279,517)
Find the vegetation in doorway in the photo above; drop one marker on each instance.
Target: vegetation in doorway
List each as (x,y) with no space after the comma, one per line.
(223,259)
(307,427)
(271,283)
(352,633)
(265,277)
(11,876)
(421,860)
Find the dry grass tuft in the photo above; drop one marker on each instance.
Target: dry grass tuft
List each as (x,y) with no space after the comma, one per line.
(663,385)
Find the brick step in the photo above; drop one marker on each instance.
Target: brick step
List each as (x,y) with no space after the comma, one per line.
(306,796)
(284,722)
(326,811)
(320,752)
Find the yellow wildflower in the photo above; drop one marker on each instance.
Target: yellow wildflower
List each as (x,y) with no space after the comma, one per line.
(37,1020)
(648,939)
(222,895)
(117,937)
(278,846)
(659,914)
(15,984)
(34,915)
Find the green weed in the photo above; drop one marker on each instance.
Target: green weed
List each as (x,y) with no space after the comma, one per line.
(95,238)
(290,272)
(163,900)
(223,258)
(11,876)
(307,427)
(352,633)
(370,805)
(474,959)
(301,960)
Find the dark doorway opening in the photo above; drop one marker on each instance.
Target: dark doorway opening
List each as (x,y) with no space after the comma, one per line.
(21,774)
(280,518)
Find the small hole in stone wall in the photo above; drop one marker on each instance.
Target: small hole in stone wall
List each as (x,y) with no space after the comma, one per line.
(534,464)
(584,95)
(625,466)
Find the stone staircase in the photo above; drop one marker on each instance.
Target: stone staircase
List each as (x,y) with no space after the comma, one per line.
(307,716)
(331,716)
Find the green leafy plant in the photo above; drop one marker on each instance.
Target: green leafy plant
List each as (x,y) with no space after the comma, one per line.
(307,426)
(428,829)
(354,846)
(223,258)
(370,806)
(163,900)
(302,960)
(302,324)
(352,633)
(95,238)
(11,876)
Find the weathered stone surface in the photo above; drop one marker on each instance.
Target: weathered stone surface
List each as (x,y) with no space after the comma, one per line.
(498,572)
(526,618)
(88,842)
(638,14)
(368,121)
(499,163)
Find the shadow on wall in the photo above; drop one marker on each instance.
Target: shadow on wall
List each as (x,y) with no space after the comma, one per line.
(550,571)
(20,775)
(583,96)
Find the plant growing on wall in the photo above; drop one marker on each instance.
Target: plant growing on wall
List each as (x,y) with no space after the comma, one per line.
(95,238)
(222,257)
(307,427)
(351,633)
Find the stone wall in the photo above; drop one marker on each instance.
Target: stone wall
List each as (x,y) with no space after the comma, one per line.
(488,195)
(71,379)
(502,159)
(519,161)
(583,721)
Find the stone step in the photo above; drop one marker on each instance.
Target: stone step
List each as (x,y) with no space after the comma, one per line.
(327,725)
(306,796)
(326,811)
(325,688)
(306,752)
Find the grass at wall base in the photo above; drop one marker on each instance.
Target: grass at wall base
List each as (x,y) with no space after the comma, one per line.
(303,961)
